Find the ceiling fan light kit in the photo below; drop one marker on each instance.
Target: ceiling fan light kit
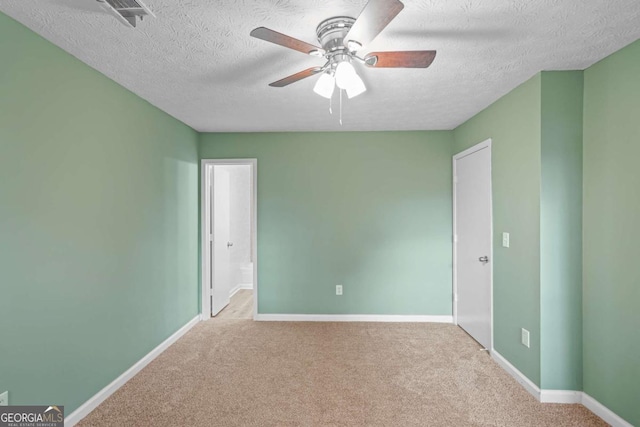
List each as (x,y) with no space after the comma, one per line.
(341,37)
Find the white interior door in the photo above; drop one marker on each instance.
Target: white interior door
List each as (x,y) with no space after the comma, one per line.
(221,260)
(473,246)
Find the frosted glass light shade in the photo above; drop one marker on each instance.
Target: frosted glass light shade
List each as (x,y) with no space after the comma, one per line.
(348,79)
(325,85)
(344,74)
(356,87)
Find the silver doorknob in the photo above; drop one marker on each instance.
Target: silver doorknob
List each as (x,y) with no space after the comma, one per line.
(484,259)
(229,244)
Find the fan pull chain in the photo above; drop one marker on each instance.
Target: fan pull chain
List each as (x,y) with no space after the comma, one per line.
(340,107)
(330,109)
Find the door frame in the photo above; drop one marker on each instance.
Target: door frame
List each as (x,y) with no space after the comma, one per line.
(206,217)
(471,150)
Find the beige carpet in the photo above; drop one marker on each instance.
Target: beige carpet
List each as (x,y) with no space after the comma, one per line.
(227,372)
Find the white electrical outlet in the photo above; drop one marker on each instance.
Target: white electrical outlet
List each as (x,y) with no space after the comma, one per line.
(505,240)
(338,289)
(4,399)
(525,337)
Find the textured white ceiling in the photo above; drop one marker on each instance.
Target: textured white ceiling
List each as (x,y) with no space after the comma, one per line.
(197,62)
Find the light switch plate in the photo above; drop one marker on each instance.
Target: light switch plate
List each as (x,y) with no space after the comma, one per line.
(4,399)
(505,240)
(338,289)
(525,338)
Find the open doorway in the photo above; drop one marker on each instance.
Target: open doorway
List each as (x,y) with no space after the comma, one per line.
(229,229)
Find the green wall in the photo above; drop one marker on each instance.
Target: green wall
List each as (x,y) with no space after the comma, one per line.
(536,132)
(561,231)
(370,211)
(514,125)
(573,284)
(98,218)
(612,232)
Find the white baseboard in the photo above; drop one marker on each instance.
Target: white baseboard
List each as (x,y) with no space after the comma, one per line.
(240,286)
(603,412)
(351,318)
(560,396)
(103,394)
(525,382)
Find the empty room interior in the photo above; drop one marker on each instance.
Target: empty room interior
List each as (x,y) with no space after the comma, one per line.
(320,213)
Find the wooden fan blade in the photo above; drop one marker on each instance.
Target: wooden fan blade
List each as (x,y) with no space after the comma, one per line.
(375,16)
(405,59)
(286,41)
(297,76)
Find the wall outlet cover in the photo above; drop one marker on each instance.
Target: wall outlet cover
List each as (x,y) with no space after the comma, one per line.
(4,399)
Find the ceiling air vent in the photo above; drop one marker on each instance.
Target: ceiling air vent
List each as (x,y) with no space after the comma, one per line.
(127,10)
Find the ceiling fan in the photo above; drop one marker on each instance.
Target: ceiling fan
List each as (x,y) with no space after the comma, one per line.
(341,38)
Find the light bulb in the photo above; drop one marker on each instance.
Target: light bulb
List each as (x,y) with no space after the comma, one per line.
(325,85)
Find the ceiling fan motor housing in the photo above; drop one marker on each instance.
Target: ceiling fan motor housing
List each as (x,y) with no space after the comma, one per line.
(331,33)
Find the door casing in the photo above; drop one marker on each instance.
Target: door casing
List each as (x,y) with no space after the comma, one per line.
(206,217)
